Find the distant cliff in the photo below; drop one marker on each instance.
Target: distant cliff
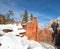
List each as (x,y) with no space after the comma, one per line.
(48,25)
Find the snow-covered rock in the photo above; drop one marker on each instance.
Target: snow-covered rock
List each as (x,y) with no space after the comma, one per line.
(51,30)
(11,41)
(35,45)
(47,46)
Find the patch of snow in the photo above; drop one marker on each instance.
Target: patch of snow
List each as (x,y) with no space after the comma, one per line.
(38,48)
(47,46)
(1,33)
(34,45)
(6,43)
(51,30)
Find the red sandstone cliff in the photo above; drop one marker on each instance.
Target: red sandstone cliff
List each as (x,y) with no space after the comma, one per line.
(45,35)
(32,30)
(33,34)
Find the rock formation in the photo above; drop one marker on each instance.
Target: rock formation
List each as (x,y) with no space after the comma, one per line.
(32,32)
(45,35)
(32,29)
(48,25)
(58,20)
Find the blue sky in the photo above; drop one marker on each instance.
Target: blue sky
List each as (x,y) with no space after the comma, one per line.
(44,10)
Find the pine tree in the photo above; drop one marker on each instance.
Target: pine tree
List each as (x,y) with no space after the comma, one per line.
(25,17)
(31,17)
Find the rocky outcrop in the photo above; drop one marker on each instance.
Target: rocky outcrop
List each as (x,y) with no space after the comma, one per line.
(32,29)
(45,35)
(58,20)
(48,25)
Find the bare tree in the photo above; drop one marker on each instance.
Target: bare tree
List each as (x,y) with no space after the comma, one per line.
(9,13)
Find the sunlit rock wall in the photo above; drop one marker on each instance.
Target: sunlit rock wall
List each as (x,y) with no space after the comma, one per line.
(31,28)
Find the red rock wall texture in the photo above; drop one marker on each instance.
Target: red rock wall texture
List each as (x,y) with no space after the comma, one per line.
(33,34)
(32,30)
(45,35)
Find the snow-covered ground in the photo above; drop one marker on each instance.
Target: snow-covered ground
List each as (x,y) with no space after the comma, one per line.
(11,41)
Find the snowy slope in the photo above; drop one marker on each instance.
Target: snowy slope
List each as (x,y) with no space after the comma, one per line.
(48,46)
(11,41)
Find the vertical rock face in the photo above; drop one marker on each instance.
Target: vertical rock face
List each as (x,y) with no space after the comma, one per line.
(32,30)
(45,35)
(35,28)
